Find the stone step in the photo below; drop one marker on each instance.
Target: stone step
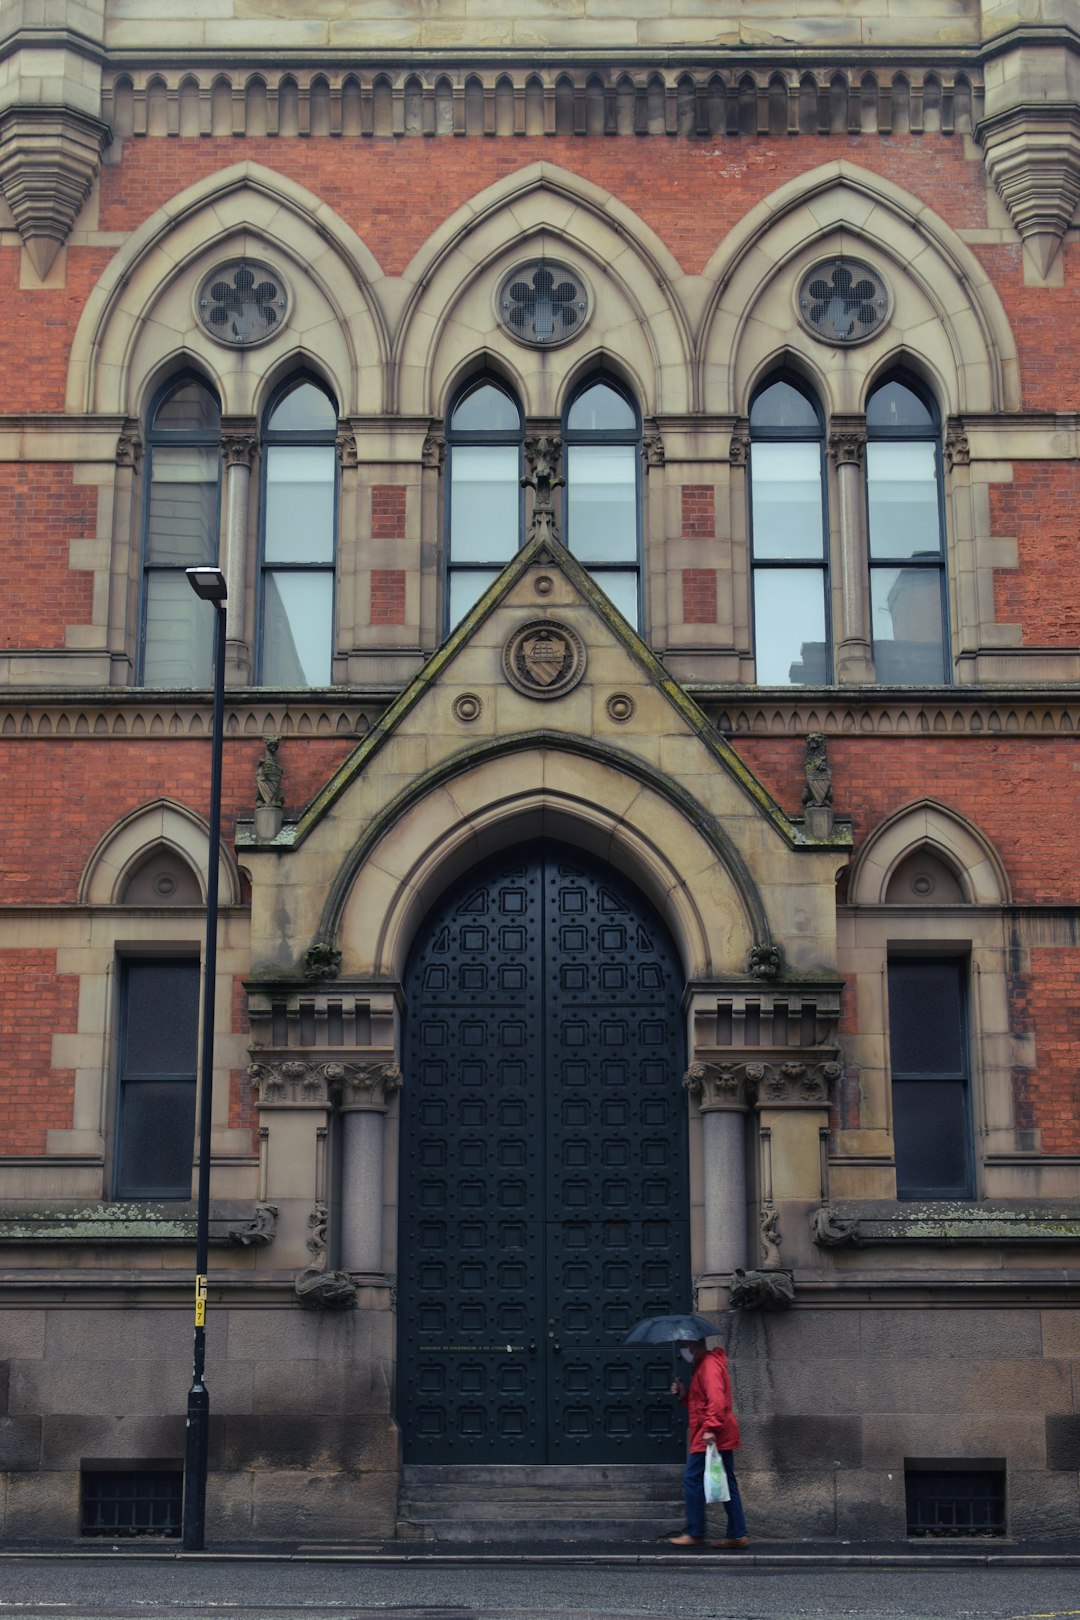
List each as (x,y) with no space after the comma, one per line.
(511,1502)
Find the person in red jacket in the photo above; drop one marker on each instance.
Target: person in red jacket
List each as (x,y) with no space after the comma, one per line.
(712,1421)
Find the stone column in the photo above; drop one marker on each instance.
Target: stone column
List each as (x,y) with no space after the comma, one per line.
(720,1091)
(239,447)
(854,661)
(366,1091)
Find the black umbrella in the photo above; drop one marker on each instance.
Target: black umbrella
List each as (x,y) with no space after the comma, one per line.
(670,1329)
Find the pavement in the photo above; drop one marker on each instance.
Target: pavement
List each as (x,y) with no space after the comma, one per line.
(932,1553)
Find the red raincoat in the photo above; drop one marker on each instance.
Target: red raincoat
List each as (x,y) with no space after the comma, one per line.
(708,1403)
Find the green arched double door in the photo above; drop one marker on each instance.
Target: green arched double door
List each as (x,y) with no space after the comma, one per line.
(544,1200)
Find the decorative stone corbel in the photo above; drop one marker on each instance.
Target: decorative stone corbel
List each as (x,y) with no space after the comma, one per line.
(761,1290)
(269,797)
(652,449)
(957,448)
(542,456)
(347,455)
(49,160)
(433,453)
(129,446)
(322,961)
(1032,154)
(739,449)
(831,1230)
(765,961)
(260,1230)
(314,1285)
(817,794)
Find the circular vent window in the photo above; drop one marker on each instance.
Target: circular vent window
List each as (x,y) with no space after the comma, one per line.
(543,302)
(843,301)
(242,302)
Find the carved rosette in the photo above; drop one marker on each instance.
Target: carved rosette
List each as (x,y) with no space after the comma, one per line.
(367,1086)
(791,1084)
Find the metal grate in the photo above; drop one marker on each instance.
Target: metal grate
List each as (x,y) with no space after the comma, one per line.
(543,302)
(242,302)
(132,1502)
(955,1502)
(843,301)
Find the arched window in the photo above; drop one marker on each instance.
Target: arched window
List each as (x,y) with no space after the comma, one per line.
(788,537)
(484,439)
(907,558)
(603,491)
(183,475)
(299,525)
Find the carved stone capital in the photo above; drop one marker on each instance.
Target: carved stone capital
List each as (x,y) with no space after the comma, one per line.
(49,160)
(433,453)
(848,447)
(345,443)
(717,1087)
(294,1083)
(239,447)
(129,446)
(957,448)
(367,1086)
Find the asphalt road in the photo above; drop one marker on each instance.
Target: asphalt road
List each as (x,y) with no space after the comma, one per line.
(93,1589)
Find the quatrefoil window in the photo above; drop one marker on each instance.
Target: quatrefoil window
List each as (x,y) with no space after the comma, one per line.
(242,302)
(843,301)
(543,303)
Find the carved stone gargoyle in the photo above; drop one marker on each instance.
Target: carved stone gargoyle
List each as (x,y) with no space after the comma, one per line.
(760,1290)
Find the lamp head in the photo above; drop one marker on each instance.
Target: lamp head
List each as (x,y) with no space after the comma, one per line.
(209,583)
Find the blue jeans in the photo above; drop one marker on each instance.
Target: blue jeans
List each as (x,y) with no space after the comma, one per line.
(694,1491)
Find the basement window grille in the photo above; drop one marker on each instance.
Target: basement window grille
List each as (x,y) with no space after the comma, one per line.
(964,1500)
(132,1501)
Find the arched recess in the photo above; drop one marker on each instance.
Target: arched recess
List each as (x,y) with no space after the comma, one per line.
(162,824)
(543,209)
(584,795)
(142,309)
(946,318)
(926,824)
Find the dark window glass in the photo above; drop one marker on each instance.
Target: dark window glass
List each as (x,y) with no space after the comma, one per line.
(158,1042)
(788,538)
(299,527)
(181,531)
(603,491)
(928,1048)
(485,434)
(907,560)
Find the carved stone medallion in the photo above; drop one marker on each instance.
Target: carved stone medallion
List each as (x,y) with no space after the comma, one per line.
(544,659)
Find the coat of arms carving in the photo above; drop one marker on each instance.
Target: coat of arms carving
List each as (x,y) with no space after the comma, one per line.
(544,659)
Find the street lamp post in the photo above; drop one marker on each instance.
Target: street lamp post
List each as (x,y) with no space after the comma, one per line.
(209,584)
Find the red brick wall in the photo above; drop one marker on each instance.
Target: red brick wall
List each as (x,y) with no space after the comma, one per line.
(387,512)
(1043,1003)
(35,1004)
(41,512)
(698,511)
(699,595)
(388,596)
(1040,507)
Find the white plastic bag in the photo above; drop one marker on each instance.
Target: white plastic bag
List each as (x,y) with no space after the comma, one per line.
(717,1488)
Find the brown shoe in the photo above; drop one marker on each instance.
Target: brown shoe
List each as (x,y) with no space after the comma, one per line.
(685,1541)
(737,1545)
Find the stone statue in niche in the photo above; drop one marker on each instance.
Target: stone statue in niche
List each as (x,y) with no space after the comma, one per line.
(269,797)
(817,794)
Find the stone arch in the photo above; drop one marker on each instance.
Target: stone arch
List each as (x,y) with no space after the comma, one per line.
(951,837)
(482,363)
(449,308)
(940,292)
(162,824)
(584,794)
(141,309)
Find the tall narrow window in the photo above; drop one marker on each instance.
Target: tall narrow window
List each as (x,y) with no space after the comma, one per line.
(181,531)
(928,1046)
(907,559)
(603,491)
(299,524)
(159,1026)
(485,435)
(788,538)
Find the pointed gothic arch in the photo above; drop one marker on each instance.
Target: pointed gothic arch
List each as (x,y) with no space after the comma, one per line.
(928,824)
(162,824)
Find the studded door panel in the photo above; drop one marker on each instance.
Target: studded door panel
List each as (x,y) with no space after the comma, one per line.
(543,1197)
